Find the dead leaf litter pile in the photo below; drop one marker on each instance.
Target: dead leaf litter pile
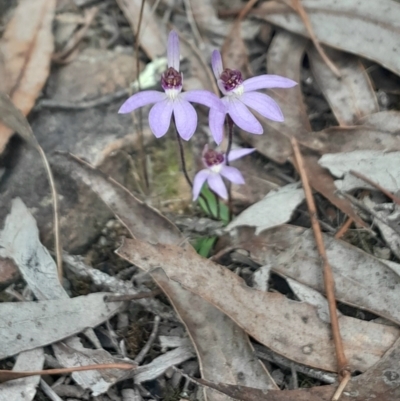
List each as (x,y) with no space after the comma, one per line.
(135,267)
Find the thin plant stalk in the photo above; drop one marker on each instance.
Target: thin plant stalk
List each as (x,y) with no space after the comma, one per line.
(228,150)
(142,158)
(184,169)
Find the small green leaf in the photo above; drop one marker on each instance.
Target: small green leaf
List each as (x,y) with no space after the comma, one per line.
(218,209)
(204,245)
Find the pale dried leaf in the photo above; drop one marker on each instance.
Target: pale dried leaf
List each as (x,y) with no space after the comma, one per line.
(160,364)
(19,240)
(72,353)
(29,325)
(361,279)
(275,209)
(27,46)
(368,28)
(380,167)
(351,96)
(312,297)
(268,317)
(24,389)
(388,121)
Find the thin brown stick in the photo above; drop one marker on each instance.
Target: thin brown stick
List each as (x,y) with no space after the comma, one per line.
(143,352)
(344,228)
(6,375)
(142,158)
(342,386)
(374,184)
(298,7)
(342,364)
(57,237)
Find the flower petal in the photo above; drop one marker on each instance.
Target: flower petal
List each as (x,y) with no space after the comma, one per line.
(216,63)
(185,118)
(232,174)
(160,117)
(242,116)
(216,183)
(263,104)
(198,182)
(141,99)
(235,154)
(173,50)
(267,81)
(206,98)
(216,123)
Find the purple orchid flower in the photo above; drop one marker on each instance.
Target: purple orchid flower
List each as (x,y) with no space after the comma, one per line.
(172,102)
(240,94)
(216,168)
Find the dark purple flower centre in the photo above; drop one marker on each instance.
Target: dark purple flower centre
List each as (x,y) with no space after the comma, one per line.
(231,79)
(213,158)
(171,79)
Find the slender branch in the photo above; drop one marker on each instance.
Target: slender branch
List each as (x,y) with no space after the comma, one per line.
(342,363)
(140,356)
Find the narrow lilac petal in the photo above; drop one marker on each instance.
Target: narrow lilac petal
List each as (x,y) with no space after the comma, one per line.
(267,81)
(216,183)
(141,99)
(263,104)
(216,63)
(216,122)
(232,174)
(185,118)
(243,117)
(198,182)
(206,98)
(235,154)
(160,117)
(173,54)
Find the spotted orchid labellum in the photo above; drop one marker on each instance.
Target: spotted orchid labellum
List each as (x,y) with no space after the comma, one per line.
(216,168)
(239,95)
(172,103)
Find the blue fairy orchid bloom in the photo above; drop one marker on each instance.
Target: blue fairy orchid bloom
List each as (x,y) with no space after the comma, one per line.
(172,102)
(216,168)
(240,94)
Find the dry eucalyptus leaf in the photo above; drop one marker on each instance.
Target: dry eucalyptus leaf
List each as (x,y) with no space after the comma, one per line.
(24,389)
(72,353)
(380,167)
(160,364)
(388,121)
(312,297)
(27,47)
(361,280)
(36,324)
(208,328)
(19,240)
(275,209)
(351,96)
(268,317)
(366,28)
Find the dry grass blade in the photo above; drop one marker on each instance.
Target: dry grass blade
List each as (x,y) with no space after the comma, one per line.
(16,121)
(343,368)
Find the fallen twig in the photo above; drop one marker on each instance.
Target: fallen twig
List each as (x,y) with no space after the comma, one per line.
(140,356)
(343,368)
